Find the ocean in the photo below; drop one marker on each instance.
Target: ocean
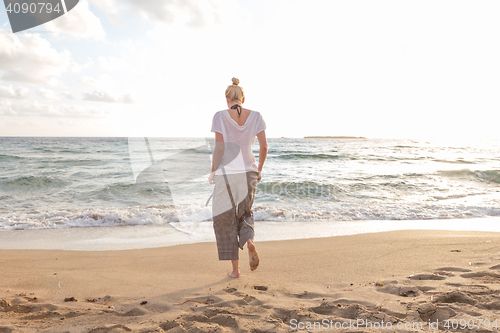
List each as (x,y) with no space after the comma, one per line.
(52,183)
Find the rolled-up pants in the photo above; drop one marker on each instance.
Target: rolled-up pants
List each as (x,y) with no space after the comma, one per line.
(232,212)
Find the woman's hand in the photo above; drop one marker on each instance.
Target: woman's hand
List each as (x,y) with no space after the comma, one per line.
(211,178)
(260,177)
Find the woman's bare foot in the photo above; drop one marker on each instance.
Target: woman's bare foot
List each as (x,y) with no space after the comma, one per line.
(252,253)
(236,269)
(234,274)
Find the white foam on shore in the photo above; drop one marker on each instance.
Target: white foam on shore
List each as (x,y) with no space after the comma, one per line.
(153,236)
(307,211)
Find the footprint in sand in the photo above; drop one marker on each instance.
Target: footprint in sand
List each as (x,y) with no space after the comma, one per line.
(135,312)
(430,312)
(404,291)
(453,297)
(440,274)
(262,288)
(109,329)
(432,276)
(5,329)
(453,269)
(483,277)
(215,321)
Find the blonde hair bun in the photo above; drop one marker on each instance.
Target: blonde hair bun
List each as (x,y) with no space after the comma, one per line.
(234,92)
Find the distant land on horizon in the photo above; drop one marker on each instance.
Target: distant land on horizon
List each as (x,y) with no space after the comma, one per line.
(334,137)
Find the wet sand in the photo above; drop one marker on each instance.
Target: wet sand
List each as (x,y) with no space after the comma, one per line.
(411,277)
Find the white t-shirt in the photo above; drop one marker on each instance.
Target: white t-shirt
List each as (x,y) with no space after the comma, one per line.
(238,140)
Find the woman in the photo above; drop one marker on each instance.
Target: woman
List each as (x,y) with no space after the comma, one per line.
(235,175)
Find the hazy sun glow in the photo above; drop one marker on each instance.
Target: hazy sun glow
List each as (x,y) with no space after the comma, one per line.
(421,69)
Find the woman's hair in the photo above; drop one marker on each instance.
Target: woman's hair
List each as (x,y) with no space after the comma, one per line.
(234,92)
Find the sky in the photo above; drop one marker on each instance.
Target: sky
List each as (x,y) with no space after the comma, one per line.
(159,68)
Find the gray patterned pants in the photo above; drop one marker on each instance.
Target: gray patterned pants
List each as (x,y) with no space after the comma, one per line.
(232,212)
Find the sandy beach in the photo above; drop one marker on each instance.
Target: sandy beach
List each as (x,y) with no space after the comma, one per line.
(396,278)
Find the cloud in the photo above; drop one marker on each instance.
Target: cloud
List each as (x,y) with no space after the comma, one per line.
(102,96)
(99,96)
(76,68)
(107,88)
(127,99)
(187,11)
(103,82)
(111,8)
(5,102)
(47,94)
(9,92)
(87,80)
(190,13)
(79,23)
(37,109)
(28,58)
(68,95)
(113,64)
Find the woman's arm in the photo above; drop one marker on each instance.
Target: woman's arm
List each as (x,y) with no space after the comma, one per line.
(261,136)
(218,151)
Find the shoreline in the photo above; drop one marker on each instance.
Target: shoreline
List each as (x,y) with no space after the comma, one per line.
(335,137)
(423,276)
(172,234)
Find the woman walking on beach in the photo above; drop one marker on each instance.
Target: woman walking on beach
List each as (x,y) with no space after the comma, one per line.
(235,175)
